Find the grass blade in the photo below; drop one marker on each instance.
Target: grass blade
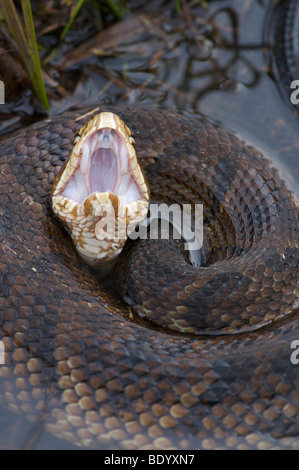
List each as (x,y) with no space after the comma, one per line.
(116,8)
(178,6)
(38,81)
(15,27)
(25,38)
(71,20)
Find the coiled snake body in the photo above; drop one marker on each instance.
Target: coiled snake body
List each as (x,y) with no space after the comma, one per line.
(73,354)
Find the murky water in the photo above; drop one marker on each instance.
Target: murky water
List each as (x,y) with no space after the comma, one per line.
(226,72)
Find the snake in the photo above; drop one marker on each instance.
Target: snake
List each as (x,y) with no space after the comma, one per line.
(172,353)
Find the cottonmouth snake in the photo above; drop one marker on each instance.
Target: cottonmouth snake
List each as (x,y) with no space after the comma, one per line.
(74,355)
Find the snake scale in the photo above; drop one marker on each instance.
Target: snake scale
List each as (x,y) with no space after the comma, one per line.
(75,357)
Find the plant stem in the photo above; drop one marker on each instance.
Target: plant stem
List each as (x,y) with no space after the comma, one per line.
(24,36)
(70,21)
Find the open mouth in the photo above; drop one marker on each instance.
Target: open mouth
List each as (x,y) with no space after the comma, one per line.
(105,164)
(101,194)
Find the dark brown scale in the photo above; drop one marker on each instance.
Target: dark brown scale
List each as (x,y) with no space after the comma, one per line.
(75,358)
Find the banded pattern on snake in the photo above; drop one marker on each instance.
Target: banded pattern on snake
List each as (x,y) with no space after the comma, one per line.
(73,353)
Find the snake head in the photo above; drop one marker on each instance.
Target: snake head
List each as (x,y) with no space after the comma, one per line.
(101,194)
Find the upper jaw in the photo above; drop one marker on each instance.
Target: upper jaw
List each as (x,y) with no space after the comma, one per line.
(101,178)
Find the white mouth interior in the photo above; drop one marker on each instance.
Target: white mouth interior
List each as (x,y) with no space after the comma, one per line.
(104,165)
